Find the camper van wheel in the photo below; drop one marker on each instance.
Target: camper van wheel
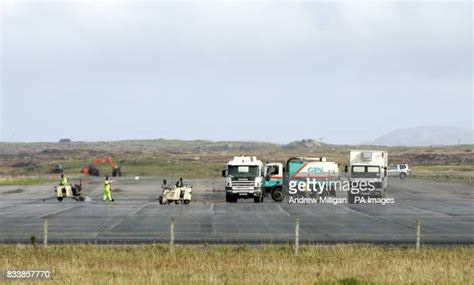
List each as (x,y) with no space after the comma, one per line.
(350,198)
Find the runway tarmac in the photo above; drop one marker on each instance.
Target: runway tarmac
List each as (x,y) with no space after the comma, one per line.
(446,212)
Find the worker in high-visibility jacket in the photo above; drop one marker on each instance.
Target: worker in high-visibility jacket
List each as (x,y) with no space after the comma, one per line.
(63,181)
(107,194)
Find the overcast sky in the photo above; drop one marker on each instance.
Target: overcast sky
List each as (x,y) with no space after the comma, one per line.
(346,72)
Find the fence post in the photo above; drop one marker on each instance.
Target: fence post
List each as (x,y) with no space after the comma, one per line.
(297,236)
(172,233)
(45,233)
(418,236)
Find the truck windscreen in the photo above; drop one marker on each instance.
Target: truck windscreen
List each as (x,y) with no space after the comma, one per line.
(361,171)
(243,171)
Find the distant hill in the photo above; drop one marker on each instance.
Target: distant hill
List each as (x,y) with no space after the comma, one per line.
(303,144)
(426,136)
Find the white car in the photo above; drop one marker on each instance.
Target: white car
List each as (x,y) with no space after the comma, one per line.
(399,170)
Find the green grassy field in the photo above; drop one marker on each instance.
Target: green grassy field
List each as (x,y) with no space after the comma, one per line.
(206,159)
(450,173)
(143,166)
(199,169)
(157,264)
(30,180)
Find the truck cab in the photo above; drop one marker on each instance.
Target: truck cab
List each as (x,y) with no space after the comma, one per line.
(367,174)
(273,183)
(244,179)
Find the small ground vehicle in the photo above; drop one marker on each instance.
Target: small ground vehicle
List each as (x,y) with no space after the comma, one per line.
(399,170)
(93,170)
(69,191)
(176,195)
(57,168)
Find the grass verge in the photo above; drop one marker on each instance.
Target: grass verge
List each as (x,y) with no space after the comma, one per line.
(156,264)
(445,173)
(163,167)
(21,180)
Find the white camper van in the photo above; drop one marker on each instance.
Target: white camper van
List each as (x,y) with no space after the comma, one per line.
(368,169)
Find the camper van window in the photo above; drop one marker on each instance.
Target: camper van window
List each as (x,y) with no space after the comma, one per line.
(373,169)
(365,172)
(358,169)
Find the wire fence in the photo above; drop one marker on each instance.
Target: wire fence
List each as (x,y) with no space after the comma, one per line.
(200,230)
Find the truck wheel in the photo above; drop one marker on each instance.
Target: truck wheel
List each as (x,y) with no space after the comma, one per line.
(403,175)
(229,198)
(60,199)
(326,193)
(277,194)
(235,198)
(258,199)
(350,198)
(186,202)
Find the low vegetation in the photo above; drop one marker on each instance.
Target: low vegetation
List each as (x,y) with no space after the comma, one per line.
(206,159)
(155,264)
(449,173)
(28,180)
